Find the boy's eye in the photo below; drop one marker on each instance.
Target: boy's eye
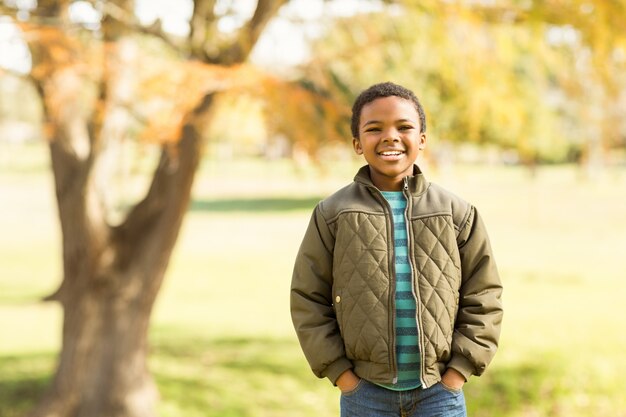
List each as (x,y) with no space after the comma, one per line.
(372,129)
(406,127)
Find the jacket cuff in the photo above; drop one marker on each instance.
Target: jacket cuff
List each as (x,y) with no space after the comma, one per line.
(462,365)
(335,369)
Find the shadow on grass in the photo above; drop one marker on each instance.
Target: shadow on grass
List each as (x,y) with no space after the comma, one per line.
(255,204)
(253,376)
(229,377)
(23,380)
(535,387)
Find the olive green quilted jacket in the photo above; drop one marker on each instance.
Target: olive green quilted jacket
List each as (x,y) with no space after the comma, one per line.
(342,291)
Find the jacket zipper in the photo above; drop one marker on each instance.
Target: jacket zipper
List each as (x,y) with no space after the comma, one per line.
(392,289)
(414,287)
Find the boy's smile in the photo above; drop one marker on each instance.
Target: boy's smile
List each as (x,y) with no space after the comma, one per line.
(390,139)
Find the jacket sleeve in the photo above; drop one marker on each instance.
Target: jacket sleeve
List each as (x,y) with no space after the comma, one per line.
(479,318)
(312,309)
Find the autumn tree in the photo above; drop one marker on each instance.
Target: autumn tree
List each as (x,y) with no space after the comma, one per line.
(90,94)
(541,78)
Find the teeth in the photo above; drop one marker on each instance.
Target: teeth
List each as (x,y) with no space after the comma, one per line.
(389,153)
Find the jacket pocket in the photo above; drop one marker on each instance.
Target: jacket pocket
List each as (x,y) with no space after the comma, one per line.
(338,306)
(363,323)
(343,308)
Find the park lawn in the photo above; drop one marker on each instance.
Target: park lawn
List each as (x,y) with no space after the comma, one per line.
(222,341)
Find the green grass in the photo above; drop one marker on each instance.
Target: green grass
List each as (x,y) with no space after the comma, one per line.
(23,378)
(221,338)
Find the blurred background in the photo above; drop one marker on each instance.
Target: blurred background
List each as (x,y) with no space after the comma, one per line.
(159,161)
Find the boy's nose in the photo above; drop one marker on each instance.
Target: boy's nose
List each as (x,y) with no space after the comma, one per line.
(391,136)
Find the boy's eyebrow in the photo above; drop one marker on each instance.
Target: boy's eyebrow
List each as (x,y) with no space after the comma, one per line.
(369,122)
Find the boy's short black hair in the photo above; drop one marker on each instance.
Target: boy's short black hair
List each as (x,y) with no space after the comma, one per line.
(386,89)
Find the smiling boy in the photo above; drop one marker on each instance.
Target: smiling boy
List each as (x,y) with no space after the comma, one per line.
(395,294)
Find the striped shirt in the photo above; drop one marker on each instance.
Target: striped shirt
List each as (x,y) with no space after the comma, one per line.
(407,349)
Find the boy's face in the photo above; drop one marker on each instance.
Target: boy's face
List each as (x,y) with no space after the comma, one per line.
(390,140)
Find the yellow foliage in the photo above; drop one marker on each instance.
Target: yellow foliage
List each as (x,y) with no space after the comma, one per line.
(307,117)
(491,72)
(159,91)
(52,49)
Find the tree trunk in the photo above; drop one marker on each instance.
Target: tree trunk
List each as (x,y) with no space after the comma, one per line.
(102,366)
(112,276)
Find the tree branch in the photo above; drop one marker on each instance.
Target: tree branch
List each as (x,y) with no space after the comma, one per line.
(161,211)
(8,11)
(130,21)
(202,22)
(248,35)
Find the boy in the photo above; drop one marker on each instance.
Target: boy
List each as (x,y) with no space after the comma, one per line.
(395,295)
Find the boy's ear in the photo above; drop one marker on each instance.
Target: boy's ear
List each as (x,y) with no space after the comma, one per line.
(422,143)
(357,146)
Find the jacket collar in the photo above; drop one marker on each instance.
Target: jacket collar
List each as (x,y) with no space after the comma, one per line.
(417,182)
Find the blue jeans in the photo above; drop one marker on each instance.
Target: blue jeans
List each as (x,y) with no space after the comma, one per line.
(371,400)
